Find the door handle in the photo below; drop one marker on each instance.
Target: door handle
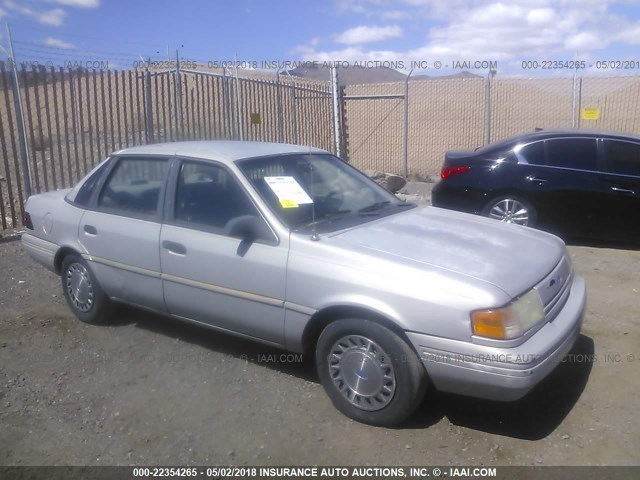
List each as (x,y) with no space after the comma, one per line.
(174,247)
(622,190)
(531,178)
(90,229)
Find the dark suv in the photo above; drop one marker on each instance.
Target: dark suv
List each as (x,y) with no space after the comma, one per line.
(573,182)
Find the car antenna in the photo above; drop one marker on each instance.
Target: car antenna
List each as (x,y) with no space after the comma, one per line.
(314,234)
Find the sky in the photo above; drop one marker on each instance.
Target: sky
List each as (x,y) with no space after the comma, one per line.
(454,34)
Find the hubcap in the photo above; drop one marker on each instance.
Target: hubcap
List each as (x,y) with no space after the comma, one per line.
(510,211)
(362,372)
(79,287)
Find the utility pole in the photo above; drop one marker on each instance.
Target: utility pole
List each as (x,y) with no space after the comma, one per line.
(17,101)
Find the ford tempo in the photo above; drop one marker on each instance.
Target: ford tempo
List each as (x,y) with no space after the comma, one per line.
(293,247)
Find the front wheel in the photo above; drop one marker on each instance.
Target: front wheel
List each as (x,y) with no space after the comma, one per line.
(369,372)
(511,209)
(83,293)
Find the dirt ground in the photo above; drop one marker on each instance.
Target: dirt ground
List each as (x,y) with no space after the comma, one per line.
(150,390)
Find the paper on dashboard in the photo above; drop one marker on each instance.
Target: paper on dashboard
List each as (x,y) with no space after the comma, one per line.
(288,190)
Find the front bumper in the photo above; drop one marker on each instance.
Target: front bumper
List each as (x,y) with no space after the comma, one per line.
(505,374)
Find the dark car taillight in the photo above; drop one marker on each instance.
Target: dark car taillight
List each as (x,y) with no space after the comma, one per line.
(26,220)
(453,171)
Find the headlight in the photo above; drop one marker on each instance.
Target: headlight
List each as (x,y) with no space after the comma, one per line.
(511,321)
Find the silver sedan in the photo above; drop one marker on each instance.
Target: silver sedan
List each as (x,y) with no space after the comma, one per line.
(290,246)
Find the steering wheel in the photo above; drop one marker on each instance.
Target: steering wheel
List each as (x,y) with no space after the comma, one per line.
(331,201)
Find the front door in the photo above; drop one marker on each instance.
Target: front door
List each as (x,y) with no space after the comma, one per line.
(212,274)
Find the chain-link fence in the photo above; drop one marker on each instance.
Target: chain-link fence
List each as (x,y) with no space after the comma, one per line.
(466,113)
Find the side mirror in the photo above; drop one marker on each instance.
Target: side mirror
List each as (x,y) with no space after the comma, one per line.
(248,228)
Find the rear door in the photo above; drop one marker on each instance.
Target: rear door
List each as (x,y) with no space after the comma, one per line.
(121,229)
(622,189)
(210,275)
(573,180)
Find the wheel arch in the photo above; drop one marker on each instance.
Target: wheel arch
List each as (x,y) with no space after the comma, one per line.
(60,255)
(507,192)
(323,317)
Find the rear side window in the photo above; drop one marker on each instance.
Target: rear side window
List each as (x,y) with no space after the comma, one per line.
(86,190)
(576,153)
(133,187)
(532,153)
(622,157)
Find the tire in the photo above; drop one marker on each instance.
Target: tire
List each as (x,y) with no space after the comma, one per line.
(370,374)
(83,293)
(507,209)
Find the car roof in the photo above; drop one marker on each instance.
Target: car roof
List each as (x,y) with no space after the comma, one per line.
(557,133)
(220,150)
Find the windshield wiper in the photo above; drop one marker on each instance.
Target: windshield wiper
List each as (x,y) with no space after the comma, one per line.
(323,218)
(374,206)
(380,205)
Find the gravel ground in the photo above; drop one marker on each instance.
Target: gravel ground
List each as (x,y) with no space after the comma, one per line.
(149,390)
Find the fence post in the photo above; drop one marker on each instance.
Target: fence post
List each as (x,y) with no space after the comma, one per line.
(22,133)
(279,107)
(573,100)
(294,113)
(579,101)
(336,110)
(178,100)
(149,109)
(487,107)
(405,140)
(236,90)
(229,124)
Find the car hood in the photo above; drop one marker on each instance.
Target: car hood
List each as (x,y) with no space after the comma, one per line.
(510,257)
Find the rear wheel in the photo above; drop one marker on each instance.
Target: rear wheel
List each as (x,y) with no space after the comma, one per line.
(511,209)
(83,293)
(369,372)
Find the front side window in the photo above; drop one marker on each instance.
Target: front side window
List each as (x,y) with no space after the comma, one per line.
(574,153)
(208,197)
(318,190)
(622,157)
(133,187)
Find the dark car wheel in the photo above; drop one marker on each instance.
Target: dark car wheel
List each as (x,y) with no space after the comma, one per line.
(369,372)
(82,291)
(511,209)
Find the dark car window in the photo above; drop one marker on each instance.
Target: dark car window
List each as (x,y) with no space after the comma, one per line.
(622,157)
(133,187)
(533,153)
(577,153)
(208,196)
(86,190)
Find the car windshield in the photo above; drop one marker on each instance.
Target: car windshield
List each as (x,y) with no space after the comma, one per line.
(318,191)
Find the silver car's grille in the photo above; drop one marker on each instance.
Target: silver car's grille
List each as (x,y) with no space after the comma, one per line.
(554,288)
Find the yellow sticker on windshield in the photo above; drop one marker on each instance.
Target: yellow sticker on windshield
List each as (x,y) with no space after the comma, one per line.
(288,203)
